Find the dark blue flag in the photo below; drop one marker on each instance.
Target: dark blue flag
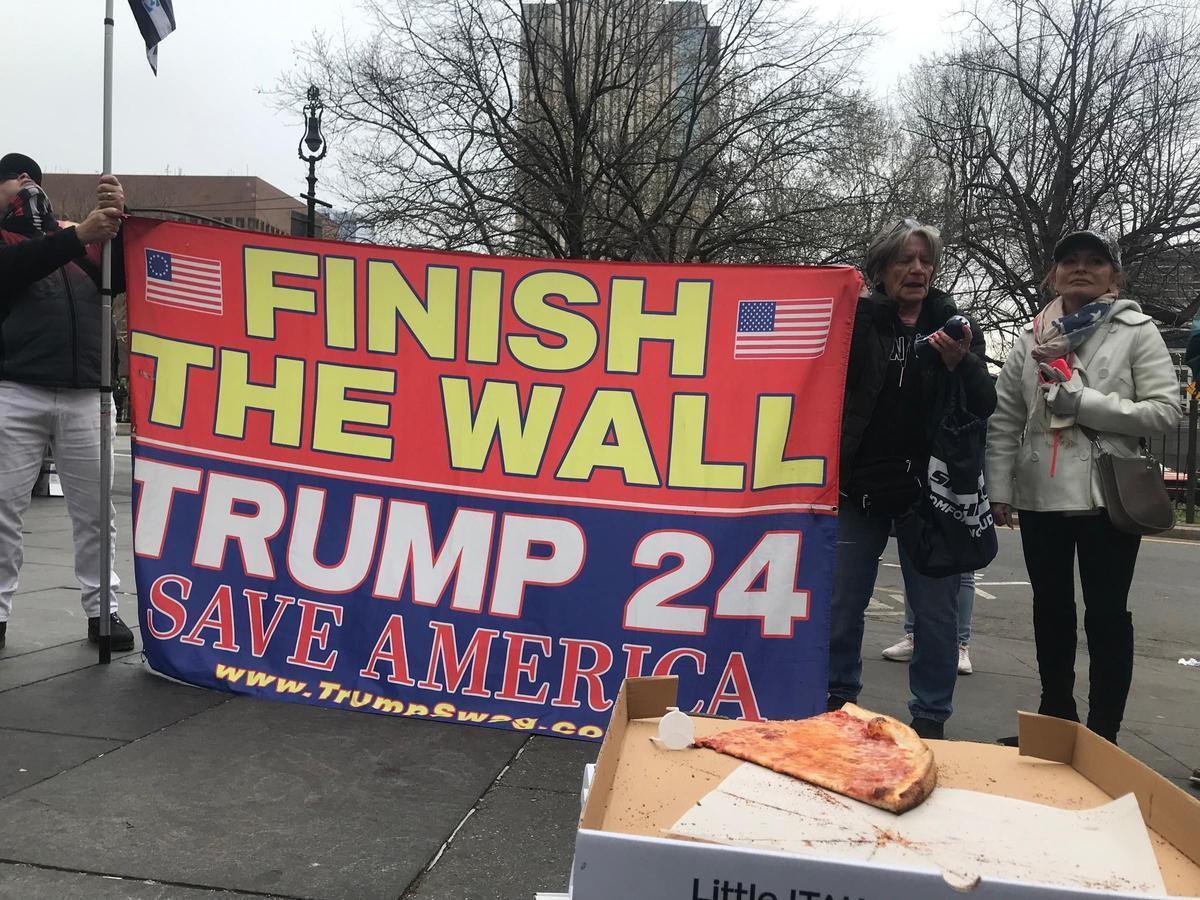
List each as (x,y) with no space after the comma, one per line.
(155,19)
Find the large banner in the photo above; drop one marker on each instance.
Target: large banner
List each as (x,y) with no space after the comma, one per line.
(483,489)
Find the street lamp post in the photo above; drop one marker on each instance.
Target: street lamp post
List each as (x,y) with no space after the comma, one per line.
(314,142)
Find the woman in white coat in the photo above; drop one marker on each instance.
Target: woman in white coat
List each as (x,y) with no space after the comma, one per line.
(1090,359)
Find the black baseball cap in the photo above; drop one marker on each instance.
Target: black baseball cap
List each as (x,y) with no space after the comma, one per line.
(1093,240)
(14,164)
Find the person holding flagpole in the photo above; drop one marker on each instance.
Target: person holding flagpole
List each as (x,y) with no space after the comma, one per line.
(56,356)
(156,20)
(50,375)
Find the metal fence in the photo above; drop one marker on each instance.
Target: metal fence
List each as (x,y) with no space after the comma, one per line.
(1177,452)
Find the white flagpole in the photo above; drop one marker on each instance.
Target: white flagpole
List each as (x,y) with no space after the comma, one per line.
(106,364)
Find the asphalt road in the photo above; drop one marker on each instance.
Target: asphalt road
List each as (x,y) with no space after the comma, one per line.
(1165,598)
(1162,718)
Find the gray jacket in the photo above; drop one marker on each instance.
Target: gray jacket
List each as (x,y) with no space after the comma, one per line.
(1130,391)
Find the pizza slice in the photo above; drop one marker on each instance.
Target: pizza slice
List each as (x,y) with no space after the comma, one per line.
(852,752)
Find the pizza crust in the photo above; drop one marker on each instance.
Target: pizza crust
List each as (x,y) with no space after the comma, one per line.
(910,792)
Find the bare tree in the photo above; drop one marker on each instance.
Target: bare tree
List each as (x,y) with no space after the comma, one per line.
(624,129)
(1055,115)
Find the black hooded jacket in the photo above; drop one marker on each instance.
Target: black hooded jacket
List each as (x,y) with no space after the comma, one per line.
(50,309)
(876,325)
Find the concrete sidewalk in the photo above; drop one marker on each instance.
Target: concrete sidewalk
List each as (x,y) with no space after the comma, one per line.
(115,783)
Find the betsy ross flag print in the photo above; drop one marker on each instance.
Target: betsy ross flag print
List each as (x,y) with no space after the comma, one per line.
(782,329)
(186,282)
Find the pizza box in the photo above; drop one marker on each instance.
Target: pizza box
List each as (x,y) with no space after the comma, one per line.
(638,789)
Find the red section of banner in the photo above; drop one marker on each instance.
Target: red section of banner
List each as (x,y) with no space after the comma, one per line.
(635,385)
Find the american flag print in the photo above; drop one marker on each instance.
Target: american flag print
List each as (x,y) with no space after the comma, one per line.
(185,282)
(782,329)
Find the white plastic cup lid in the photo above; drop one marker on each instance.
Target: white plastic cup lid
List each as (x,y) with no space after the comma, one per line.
(675,730)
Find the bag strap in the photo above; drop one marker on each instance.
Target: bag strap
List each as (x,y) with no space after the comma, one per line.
(1094,436)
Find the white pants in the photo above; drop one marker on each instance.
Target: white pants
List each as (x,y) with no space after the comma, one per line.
(69,420)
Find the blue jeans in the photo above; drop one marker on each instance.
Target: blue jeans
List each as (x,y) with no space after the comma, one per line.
(966,609)
(934,601)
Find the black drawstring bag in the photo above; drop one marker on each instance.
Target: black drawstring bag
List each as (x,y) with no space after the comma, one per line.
(951,530)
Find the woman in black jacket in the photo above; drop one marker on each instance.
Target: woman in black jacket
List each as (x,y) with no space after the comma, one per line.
(895,399)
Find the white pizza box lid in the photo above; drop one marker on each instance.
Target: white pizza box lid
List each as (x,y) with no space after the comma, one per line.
(638,790)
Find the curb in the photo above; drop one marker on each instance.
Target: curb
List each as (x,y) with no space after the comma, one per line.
(1182,533)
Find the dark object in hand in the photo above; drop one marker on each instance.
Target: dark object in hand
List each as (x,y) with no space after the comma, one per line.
(955,329)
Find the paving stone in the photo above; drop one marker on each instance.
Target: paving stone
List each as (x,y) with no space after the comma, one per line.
(20,669)
(35,578)
(551,764)
(51,534)
(52,564)
(53,617)
(132,700)
(271,797)
(49,556)
(32,883)
(27,757)
(518,842)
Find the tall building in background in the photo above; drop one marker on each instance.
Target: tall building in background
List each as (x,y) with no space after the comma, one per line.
(648,68)
(243,202)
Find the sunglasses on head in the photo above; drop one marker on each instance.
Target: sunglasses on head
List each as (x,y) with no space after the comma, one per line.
(906,222)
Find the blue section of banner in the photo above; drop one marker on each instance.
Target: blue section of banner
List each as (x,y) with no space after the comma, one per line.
(555,667)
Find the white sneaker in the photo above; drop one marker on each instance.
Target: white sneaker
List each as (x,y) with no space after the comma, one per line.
(901,651)
(964,661)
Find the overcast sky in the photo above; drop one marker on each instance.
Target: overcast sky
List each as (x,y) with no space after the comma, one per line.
(206,113)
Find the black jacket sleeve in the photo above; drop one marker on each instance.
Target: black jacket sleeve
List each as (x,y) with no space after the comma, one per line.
(91,263)
(980,388)
(25,261)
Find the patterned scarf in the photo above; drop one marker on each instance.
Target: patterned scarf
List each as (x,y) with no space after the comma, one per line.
(1056,335)
(29,213)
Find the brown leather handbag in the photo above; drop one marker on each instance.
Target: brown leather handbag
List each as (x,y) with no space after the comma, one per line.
(1135,495)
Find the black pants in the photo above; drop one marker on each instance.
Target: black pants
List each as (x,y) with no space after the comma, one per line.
(1106,560)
